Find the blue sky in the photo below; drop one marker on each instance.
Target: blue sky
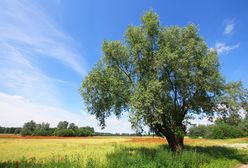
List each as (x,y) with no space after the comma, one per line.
(47,47)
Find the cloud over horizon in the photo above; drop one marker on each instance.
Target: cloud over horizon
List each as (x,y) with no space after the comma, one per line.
(16,110)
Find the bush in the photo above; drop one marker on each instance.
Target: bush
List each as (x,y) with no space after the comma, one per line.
(64,132)
(223,130)
(85,131)
(25,132)
(219,130)
(17,131)
(40,132)
(199,131)
(243,126)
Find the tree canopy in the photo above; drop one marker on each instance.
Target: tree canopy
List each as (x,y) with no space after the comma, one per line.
(160,75)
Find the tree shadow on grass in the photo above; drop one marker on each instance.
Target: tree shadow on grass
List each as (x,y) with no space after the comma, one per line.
(220,152)
(161,156)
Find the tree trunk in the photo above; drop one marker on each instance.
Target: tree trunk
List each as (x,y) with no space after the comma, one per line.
(175,141)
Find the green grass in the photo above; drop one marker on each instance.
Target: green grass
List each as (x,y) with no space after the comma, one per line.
(116,153)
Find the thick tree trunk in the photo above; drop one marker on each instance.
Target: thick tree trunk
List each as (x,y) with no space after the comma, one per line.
(175,142)
(174,136)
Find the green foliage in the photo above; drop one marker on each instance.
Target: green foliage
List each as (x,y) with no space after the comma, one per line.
(221,131)
(243,126)
(17,131)
(10,130)
(72,126)
(31,125)
(85,131)
(41,132)
(64,132)
(63,129)
(25,132)
(62,125)
(223,128)
(161,75)
(199,131)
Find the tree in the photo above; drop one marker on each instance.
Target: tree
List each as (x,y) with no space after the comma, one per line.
(160,75)
(245,107)
(65,132)
(73,126)
(45,126)
(85,131)
(233,119)
(62,125)
(28,128)
(25,131)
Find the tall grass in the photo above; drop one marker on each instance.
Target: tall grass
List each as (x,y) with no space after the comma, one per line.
(138,156)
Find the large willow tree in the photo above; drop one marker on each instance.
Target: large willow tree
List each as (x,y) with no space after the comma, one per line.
(160,76)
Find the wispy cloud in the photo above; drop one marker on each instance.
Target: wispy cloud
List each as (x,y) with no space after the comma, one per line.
(229,28)
(25,26)
(222,48)
(28,33)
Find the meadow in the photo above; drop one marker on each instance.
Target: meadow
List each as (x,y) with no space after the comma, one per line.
(108,152)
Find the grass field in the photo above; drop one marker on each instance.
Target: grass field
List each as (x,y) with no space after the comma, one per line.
(118,152)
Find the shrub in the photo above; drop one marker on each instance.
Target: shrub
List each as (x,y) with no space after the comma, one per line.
(197,131)
(25,132)
(243,126)
(17,131)
(81,132)
(40,132)
(85,131)
(223,130)
(64,132)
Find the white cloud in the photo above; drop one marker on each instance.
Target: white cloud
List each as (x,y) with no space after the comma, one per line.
(26,34)
(16,110)
(229,28)
(222,48)
(25,26)
(20,77)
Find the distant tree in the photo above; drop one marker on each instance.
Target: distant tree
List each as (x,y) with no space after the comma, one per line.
(72,126)
(40,132)
(41,129)
(65,132)
(62,125)
(31,125)
(26,131)
(85,131)
(245,107)
(197,131)
(161,75)
(224,130)
(17,131)
(28,128)
(243,125)
(233,119)
(45,126)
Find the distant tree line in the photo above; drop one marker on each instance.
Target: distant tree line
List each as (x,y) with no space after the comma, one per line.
(118,134)
(63,128)
(10,130)
(232,126)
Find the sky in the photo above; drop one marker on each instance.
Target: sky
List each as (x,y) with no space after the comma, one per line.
(47,47)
